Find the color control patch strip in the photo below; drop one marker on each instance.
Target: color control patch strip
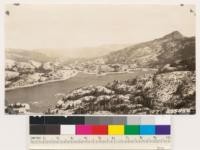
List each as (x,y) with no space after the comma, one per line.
(100,132)
(51,125)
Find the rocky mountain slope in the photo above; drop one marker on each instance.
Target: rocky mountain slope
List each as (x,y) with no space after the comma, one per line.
(25,68)
(167,93)
(170,90)
(171,48)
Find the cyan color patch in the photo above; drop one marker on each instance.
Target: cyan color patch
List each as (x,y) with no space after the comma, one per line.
(147,130)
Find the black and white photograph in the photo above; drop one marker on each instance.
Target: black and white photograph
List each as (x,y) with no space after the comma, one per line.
(100,59)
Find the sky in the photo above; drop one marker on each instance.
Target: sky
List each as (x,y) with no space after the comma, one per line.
(62,26)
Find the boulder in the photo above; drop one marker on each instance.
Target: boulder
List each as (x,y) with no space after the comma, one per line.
(11,75)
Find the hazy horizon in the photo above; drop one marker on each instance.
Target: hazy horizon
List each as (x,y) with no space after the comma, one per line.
(47,26)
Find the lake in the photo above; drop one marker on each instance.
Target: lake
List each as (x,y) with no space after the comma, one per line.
(40,97)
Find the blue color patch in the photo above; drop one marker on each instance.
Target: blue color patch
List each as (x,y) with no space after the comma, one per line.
(147,130)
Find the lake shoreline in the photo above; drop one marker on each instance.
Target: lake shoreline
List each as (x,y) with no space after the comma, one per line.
(51,81)
(57,80)
(45,94)
(40,83)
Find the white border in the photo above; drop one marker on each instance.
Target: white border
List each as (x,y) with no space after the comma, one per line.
(104,1)
(182,124)
(113,2)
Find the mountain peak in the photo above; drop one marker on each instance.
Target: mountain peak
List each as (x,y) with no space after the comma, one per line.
(174,35)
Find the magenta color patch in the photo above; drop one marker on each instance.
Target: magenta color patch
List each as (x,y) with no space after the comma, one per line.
(83,129)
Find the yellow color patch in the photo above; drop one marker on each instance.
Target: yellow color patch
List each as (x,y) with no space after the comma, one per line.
(115,129)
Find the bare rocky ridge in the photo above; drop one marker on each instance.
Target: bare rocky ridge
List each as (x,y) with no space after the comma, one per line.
(156,53)
(172,92)
(20,74)
(169,89)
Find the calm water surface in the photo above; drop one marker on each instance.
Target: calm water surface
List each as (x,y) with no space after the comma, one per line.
(40,97)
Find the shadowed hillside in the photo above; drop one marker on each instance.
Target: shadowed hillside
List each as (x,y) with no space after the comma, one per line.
(170,90)
(172,48)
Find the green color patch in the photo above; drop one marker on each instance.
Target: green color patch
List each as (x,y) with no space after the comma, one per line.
(132,130)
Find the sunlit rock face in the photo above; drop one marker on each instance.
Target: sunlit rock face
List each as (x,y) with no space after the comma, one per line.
(18,108)
(151,94)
